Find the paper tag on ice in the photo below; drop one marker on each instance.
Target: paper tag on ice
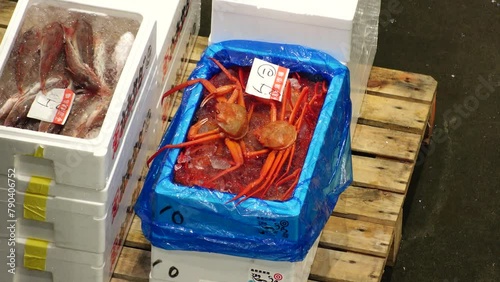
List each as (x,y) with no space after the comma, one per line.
(267,80)
(53,107)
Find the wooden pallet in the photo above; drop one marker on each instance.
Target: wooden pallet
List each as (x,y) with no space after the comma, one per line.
(363,234)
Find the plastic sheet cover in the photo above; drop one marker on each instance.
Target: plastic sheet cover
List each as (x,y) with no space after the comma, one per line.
(175,217)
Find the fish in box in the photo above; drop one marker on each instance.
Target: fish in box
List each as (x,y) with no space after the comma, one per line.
(178,217)
(69,83)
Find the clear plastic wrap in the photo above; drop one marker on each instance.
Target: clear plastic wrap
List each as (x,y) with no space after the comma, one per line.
(175,217)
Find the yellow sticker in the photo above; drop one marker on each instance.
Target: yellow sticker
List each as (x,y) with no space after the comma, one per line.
(35,254)
(39,185)
(35,207)
(38,152)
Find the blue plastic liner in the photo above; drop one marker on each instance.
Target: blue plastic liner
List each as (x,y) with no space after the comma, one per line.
(176,217)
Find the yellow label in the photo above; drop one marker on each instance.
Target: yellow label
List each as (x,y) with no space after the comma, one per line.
(35,254)
(38,152)
(39,185)
(35,206)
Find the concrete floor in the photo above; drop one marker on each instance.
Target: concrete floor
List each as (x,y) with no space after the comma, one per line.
(451,228)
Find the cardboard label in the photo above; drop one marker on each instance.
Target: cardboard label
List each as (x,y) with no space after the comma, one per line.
(53,107)
(267,80)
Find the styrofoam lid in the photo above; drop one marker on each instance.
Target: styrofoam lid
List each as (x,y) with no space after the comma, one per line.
(328,13)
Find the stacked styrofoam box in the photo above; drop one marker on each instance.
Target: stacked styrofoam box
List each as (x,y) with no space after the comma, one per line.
(84,228)
(347,30)
(82,218)
(184,266)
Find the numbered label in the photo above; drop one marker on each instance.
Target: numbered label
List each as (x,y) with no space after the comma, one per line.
(267,80)
(53,107)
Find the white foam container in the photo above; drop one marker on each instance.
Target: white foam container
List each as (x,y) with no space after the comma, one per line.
(347,30)
(84,225)
(62,264)
(73,161)
(67,264)
(187,266)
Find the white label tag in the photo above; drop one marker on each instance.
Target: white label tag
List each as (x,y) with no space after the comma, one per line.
(53,107)
(261,275)
(267,80)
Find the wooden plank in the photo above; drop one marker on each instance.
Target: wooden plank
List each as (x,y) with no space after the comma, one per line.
(394,114)
(6,10)
(370,205)
(135,237)
(388,175)
(357,236)
(2,33)
(331,265)
(199,47)
(386,142)
(396,242)
(401,84)
(133,265)
(189,69)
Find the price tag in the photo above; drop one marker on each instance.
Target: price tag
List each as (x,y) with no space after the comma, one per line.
(267,80)
(53,107)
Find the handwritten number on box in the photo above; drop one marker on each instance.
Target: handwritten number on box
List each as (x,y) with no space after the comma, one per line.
(177,217)
(173,272)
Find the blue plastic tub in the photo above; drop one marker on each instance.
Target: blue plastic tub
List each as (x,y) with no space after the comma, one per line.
(175,217)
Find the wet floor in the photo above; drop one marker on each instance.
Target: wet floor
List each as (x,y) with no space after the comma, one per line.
(451,227)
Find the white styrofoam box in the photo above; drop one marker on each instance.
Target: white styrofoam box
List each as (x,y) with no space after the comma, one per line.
(324,24)
(80,224)
(347,30)
(64,264)
(74,161)
(61,264)
(186,266)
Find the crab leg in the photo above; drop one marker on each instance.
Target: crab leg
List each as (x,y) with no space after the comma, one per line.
(207,84)
(238,93)
(236,154)
(185,144)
